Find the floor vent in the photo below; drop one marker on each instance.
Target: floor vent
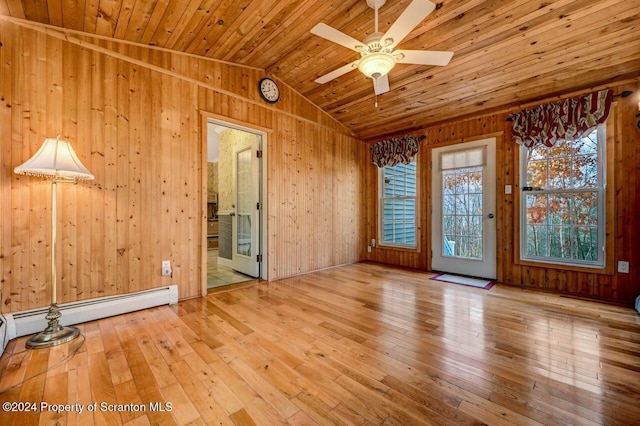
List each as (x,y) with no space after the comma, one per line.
(29,322)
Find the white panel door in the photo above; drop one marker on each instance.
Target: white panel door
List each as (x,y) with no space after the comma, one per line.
(463,214)
(245,218)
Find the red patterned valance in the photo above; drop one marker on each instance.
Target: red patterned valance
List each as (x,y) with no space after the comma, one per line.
(394,151)
(566,120)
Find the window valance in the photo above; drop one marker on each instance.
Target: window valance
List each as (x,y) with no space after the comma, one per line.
(396,150)
(565,120)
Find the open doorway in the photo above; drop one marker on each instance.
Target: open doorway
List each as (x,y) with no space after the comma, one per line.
(234,243)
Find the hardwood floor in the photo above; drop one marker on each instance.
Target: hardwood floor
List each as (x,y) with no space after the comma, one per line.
(361,344)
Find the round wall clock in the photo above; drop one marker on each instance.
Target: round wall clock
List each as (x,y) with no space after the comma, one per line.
(269,90)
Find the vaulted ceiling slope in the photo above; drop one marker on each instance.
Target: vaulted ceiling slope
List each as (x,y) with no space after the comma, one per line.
(506,52)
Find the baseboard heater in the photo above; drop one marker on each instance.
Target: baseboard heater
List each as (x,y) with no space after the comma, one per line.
(19,324)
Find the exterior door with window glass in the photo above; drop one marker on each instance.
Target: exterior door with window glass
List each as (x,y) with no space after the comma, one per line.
(463,209)
(245,218)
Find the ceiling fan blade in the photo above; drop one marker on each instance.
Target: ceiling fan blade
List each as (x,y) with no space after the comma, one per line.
(337,73)
(408,20)
(424,57)
(331,34)
(381,85)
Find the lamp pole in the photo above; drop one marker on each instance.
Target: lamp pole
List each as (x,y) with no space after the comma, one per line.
(54,334)
(54,240)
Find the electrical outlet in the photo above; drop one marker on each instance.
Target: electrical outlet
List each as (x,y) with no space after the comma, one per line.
(166,268)
(369,249)
(373,242)
(623,266)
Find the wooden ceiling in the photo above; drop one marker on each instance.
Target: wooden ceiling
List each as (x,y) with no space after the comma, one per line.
(506,52)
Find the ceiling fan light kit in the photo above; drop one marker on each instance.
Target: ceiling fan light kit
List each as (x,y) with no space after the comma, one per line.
(376,65)
(378,54)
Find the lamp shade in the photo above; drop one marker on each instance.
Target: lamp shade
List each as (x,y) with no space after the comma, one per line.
(376,65)
(55,159)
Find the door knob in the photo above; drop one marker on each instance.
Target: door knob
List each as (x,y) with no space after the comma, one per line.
(490,215)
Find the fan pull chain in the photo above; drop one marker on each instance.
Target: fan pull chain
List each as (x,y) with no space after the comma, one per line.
(376,100)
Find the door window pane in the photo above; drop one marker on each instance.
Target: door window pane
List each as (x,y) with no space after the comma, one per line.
(462,212)
(243,203)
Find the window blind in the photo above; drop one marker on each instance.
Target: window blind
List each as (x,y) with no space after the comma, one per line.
(473,157)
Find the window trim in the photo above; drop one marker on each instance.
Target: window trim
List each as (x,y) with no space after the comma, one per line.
(380,226)
(608,213)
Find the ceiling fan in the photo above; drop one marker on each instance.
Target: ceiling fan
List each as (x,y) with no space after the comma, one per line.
(377,52)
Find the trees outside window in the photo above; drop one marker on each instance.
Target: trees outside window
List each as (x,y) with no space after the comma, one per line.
(562,202)
(462,212)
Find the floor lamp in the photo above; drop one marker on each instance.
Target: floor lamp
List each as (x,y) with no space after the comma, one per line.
(55,160)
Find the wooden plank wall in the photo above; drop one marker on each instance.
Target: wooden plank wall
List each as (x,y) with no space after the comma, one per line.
(610,286)
(133,116)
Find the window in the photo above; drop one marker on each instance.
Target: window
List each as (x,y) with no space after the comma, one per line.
(563,199)
(398,205)
(462,209)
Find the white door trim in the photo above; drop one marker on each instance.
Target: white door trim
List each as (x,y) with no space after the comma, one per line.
(263,133)
(486,268)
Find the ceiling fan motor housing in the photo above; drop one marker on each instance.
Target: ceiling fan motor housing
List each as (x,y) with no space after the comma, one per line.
(374,43)
(376,4)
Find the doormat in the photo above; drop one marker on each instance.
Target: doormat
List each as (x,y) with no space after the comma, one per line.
(458,279)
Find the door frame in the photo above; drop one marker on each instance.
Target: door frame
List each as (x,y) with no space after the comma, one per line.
(492,139)
(208,117)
